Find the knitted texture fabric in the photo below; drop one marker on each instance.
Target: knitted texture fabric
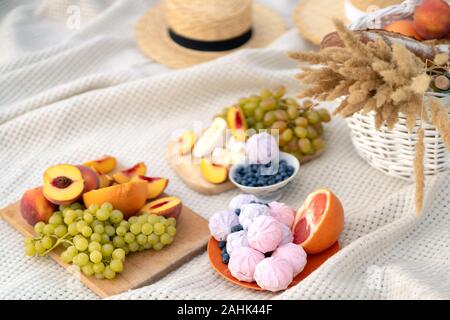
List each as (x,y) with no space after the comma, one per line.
(387,253)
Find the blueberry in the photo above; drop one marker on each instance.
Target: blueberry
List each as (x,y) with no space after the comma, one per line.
(222,244)
(225,258)
(268,254)
(224,250)
(237,211)
(283,162)
(267,165)
(237,228)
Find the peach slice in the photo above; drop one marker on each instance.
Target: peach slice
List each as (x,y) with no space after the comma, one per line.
(186,142)
(155,185)
(35,207)
(213,173)
(127,197)
(91,178)
(236,122)
(63,184)
(105,181)
(169,207)
(139,169)
(104,165)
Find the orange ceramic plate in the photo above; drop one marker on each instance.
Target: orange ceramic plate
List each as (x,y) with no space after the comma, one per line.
(313,262)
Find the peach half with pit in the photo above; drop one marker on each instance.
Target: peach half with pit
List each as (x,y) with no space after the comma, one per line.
(63,184)
(155,185)
(139,169)
(236,122)
(103,165)
(169,207)
(127,197)
(34,207)
(213,173)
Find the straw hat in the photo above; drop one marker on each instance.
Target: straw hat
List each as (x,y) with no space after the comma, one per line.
(314,18)
(181,33)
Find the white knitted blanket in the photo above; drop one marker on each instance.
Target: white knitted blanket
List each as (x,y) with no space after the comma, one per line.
(76,100)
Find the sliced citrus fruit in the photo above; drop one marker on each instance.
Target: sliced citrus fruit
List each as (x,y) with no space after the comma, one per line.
(319,222)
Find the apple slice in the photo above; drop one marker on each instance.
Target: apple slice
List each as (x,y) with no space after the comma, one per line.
(186,142)
(104,165)
(156,185)
(213,173)
(139,169)
(169,207)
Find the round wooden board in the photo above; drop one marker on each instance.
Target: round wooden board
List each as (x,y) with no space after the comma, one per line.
(190,173)
(314,261)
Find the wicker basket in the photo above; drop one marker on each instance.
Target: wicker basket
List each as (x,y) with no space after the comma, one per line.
(392,151)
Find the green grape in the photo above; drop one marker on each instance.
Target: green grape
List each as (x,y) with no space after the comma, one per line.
(318,143)
(28,240)
(171,230)
(147,246)
(249,108)
(287,135)
(319,128)
(305,146)
(96,237)
(80,243)
(47,242)
(116,265)
(291,101)
(119,254)
(292,112)
(268,104)
(300,132)
(49,229)
(121,230)
(129,237)
(99,228)
(95,256)
(166,239)
(72,229)
(66,244)
(116,216)
(166,222)
(159,228)
(107,249)
(60,231)
(63,207)
(118,242)
(281,115)
(98,267)
(135,228)
(269,118)
(125,224)
(152,219)
(259,126)
(126,249)
(142,219)
(324,115)
(93,208)
(55,220)
(312,116)
(79,213)
(293,145)
(80,225)
(279,125)
(97,223)
(67,258)
(141,239)
(133,246)
(147,229)
(243,101)
(72,251)
(259,114)
(39,227)
(281,91)
(250,122)
(312,133)
(86,231)
(81,259)
(88,270)
(110,231)
(105,238)
(265,93)
(158,246)
(68,220)
(39,247)
(99,276)
(76,206)
(301,122)
(94,246)
(132,220)
(172,221)
(102,214)
(153,239)
(107,206)
(109,274)
(30,250)
(88,217)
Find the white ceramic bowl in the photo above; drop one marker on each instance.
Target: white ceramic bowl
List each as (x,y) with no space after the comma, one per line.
(274,191)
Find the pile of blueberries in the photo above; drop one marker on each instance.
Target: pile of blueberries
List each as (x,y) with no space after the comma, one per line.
(251,176)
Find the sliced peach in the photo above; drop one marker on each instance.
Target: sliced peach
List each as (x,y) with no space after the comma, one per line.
(213,173)
(156,186)
(127,197)
(103,165)
(35,207)
(236,122)
(105,180)
(63,184)
(139,169)
(186,142)
(168,207)
(91,178)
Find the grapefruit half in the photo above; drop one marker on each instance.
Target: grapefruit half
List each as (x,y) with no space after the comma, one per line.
(319,222)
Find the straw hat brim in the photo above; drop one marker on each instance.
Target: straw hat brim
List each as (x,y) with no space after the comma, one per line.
(154,41)
(314,19)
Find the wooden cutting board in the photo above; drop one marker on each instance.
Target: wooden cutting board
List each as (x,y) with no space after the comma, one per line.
(191,175)
(140,268)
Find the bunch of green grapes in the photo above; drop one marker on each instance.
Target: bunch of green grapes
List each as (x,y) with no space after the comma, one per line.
(300,127)
(97,239)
